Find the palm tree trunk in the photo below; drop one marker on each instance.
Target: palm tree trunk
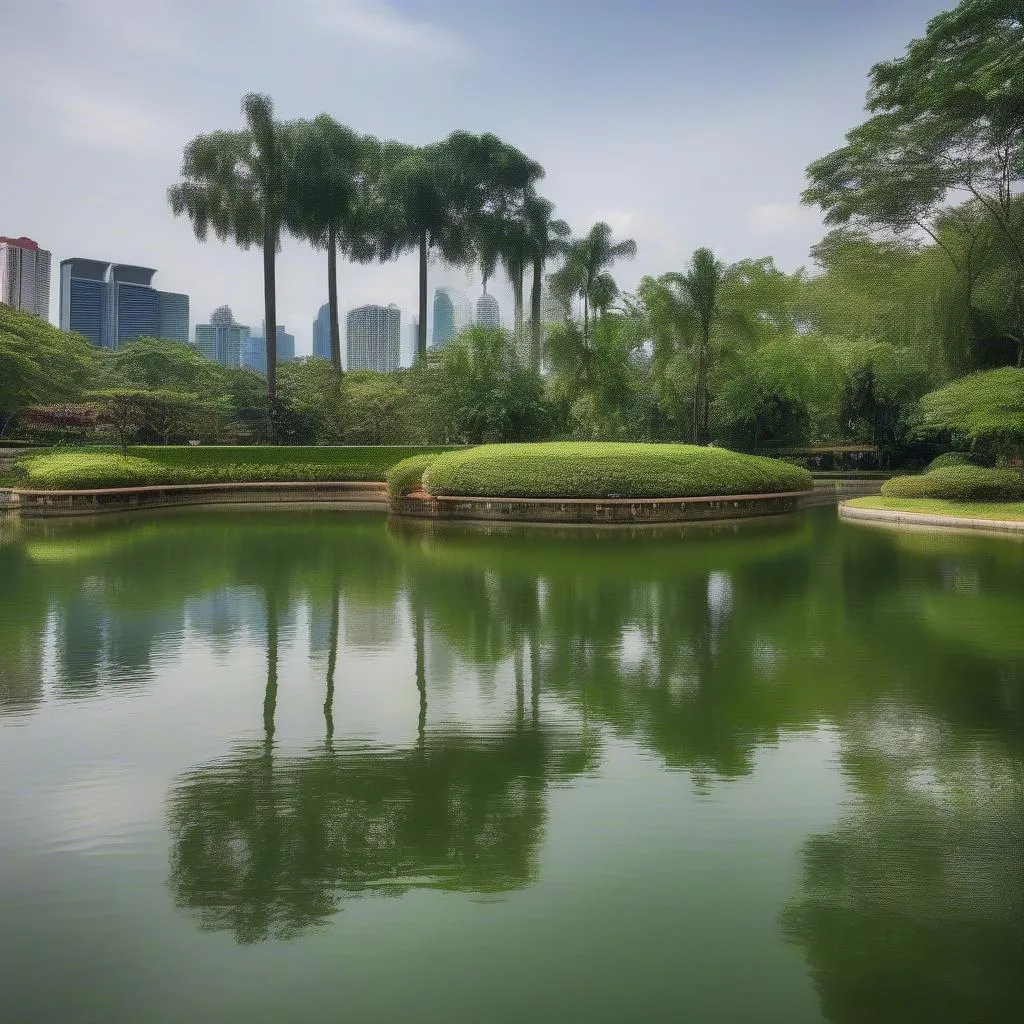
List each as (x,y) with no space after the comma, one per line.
(517,301)
(332,296)
(270,694)
(535,316)
(421,332)
(332,661)
(270,313)
(586,318)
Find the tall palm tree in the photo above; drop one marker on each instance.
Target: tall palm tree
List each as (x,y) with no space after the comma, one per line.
(548,239)
(438,192)
(585,271)
(330,204)
(240,185)
(702,284)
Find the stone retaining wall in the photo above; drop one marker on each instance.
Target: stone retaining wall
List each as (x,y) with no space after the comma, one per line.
(596,510)
(370,495)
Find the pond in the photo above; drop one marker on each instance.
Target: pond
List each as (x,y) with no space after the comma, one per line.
(315,766)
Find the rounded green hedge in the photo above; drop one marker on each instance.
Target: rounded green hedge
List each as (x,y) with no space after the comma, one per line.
(407,476)
(588,469)
(947,459)
(959,483)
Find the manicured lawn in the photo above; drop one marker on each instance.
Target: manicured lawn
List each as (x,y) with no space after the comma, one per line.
(1011,510)
(601,470)
(88,468)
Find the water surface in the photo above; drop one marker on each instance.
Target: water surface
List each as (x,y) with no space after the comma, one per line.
(312,766)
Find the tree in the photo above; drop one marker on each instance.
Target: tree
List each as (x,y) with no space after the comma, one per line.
(158,363)
(481,391)
(241,185)
(124,409)
(948,119)
(988,408)
(38,363)
(440,191)
(585,271)
(333,207)
(547,241)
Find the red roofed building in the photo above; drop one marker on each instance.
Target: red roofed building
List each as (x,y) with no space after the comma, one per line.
(25,276)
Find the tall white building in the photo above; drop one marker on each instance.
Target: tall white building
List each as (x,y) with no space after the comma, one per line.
(487,312)
(373,338)
(25,276)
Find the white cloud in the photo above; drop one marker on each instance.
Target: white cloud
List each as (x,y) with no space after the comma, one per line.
(378,23)
(150,27)
(777,217)
(107,121)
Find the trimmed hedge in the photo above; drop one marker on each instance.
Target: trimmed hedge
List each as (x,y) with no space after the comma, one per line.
(85,469)
(947,459)
(959,483)
(588,469)
(407,476)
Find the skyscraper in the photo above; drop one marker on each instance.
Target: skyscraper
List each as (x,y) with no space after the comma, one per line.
(25,276)
(222,339)
(444,318)
(254,349)
(487,312)
(322,333)
(111,303)
(373,338)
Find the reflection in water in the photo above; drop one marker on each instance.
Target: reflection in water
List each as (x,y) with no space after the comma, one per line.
(703,647)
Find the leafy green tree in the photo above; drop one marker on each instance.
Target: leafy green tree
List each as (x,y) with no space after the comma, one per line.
(987,408)
(377,408)
(947,120)
(311,392)
(241,185)
(157,363)
(38,363)
(481,391)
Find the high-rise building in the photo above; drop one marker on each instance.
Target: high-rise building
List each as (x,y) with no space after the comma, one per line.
(25,276)
(111,303)
(322,333)
(373,338)
(444,318)
(254,349)
(487,312)
(222,339)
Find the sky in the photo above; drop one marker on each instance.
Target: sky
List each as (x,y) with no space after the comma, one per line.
(682,123)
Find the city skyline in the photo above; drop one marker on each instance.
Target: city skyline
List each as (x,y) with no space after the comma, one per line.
(373,338)
(25,275)
(649,149)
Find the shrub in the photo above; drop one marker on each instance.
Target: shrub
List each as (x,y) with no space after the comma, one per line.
(407,476)
(959,483)
(598,470)
(947,459)
(96,468)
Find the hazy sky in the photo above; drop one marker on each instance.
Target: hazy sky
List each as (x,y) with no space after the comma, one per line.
(680,122)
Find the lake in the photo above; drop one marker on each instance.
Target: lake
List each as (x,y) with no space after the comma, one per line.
(313,766)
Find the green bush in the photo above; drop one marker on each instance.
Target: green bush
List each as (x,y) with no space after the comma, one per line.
(83,469)
(959,483)
(947,459)
(586,469)
(407,476)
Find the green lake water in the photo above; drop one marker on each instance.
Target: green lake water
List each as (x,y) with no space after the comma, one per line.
(313,766)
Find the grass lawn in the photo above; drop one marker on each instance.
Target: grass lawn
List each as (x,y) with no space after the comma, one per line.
(88,468)
(604,469)
(1006,510)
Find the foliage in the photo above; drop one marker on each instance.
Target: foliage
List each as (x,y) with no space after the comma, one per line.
(378,408)
(986,407)
(947,459)
(39,365)
(407,476)
(959,483)
(87,468)
(597,470)
(480,392)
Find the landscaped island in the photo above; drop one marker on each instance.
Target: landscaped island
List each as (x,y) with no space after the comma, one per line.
(950,495)
(594,482)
